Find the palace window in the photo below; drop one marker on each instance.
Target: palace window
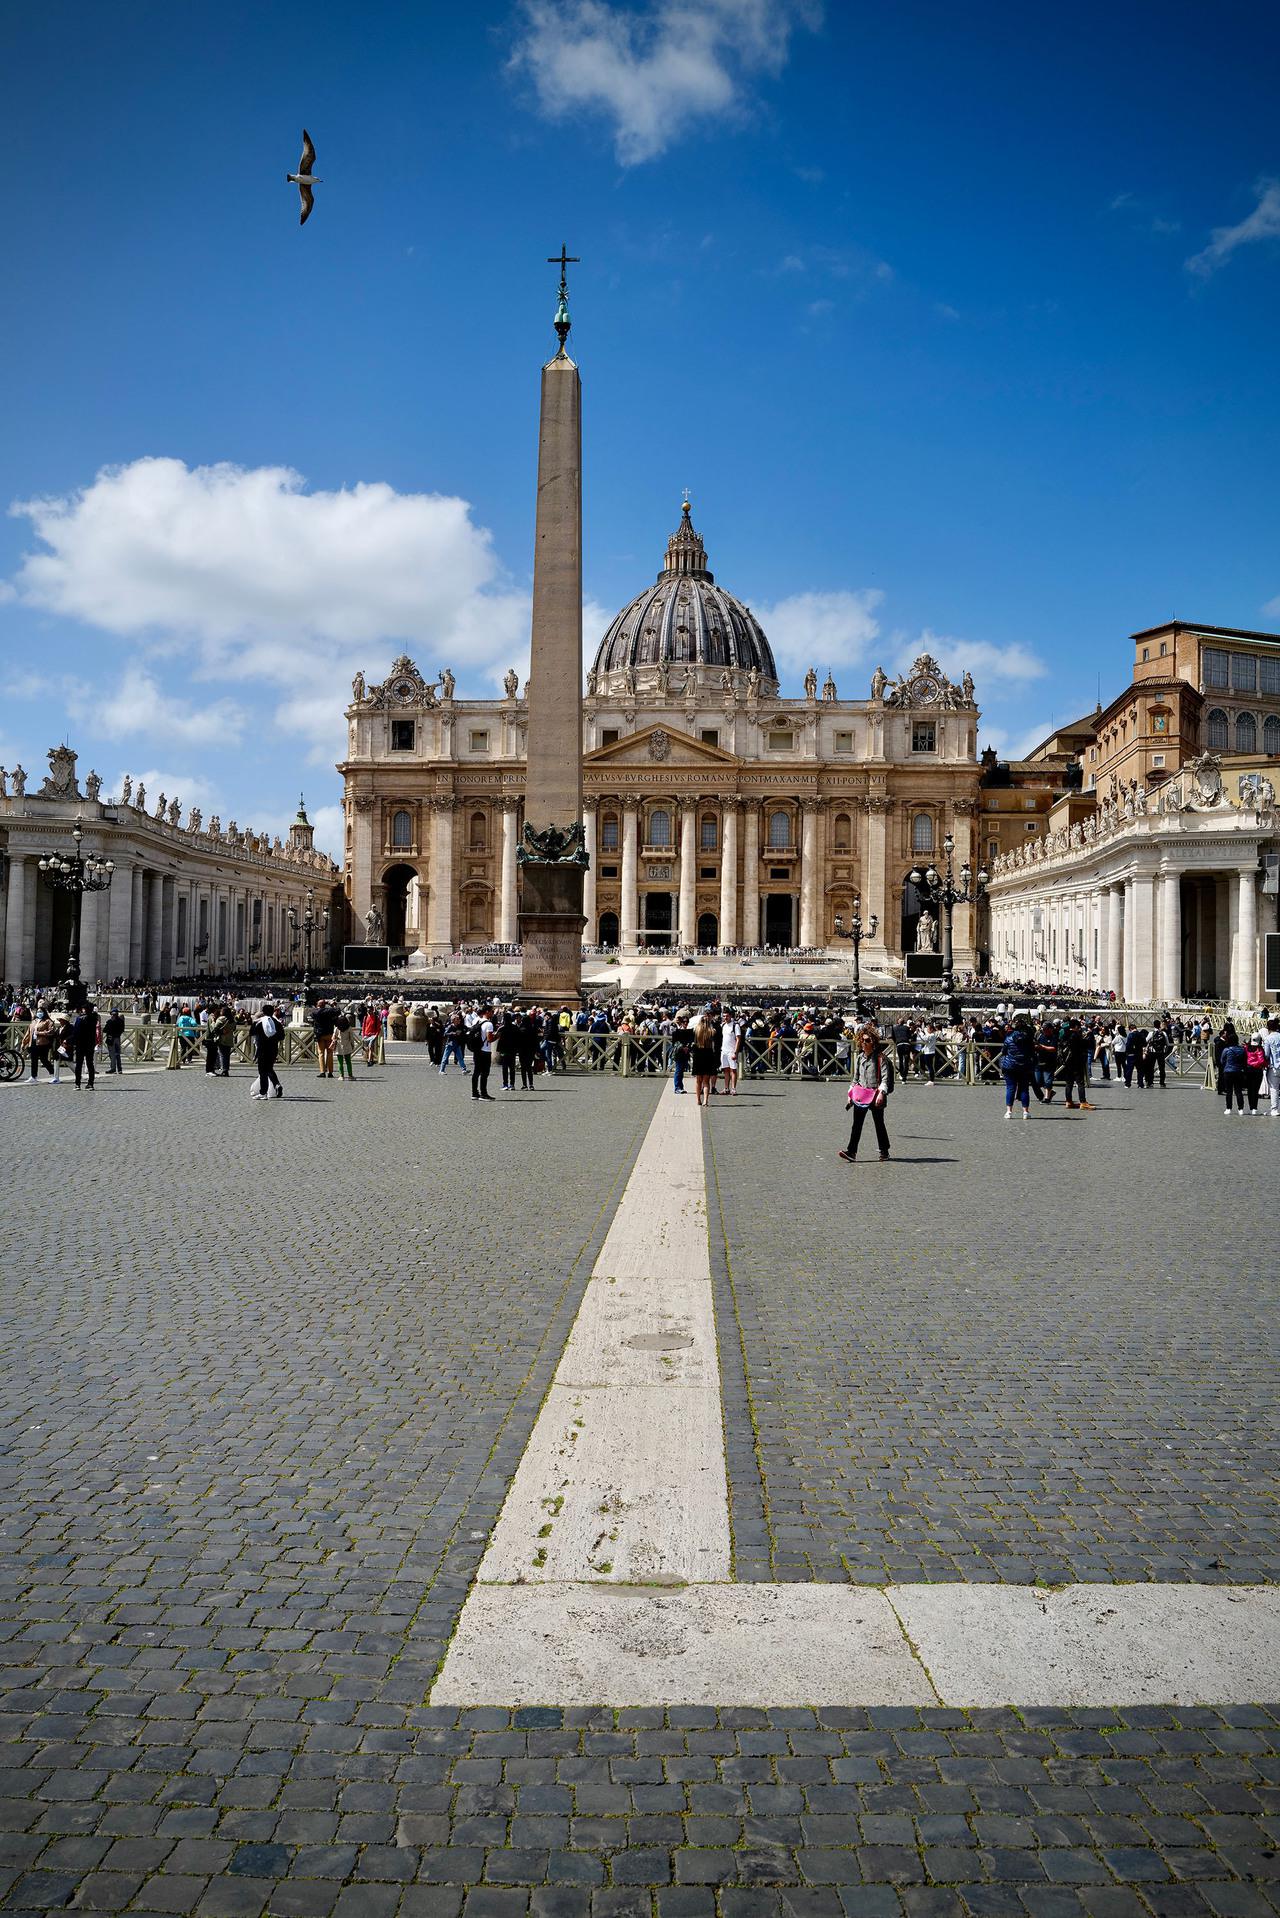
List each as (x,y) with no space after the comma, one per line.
(609,832)
(479,832)
(710,735)
(993,847)
(1271,734)
(779,829)
(1269,676)
(779,742)
(1244,673)
(924,736)
(401,829)
(402,735)
(610,735)
(1157,759)
(1215,667)
(480,742)
(843,834)
(1146,654)
(922,833)
(1216,733)
(1246,733)
(843,742)
(660,828)
(708,839)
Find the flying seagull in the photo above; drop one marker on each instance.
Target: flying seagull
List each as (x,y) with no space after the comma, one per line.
(304,179)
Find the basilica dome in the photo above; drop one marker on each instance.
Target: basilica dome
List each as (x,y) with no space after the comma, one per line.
(682,627)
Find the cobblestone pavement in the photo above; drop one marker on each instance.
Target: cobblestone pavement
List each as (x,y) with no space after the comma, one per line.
(267,1372)
(1016,1351)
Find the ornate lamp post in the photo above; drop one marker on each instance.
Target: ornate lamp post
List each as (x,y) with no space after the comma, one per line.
(77,874)
(943,894)
(856,932)
(306,923)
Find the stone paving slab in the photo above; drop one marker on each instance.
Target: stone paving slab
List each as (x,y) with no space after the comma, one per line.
(1017,1352)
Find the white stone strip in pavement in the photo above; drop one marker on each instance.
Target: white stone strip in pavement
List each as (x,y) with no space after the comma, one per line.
(623,1478)
(606,1579)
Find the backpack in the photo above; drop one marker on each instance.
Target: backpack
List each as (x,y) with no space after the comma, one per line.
(269,1028)
(1255,1058)
(475,1037)
(889,1079)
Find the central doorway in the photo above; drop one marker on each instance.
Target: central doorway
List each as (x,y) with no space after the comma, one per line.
(659,919)
(777,919)
(396,880)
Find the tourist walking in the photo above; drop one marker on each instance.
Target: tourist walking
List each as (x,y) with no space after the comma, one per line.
(528,1040)
(506,1047)
(681,1040)
(84,1037)
(41,1045)
(1075,1068)
(927,1047)
(344,1046)
(1255,1066)
(1271,1047)
(219,1036)
(112,1034)
(480,1038)
(324,1023)
(1018,1064)
(265,1031)
(455,1042)
(1231,1069)
(730,1044)
(370,1033)
(704,1059)
(870,1089)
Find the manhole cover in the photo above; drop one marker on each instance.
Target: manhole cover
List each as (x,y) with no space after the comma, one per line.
(658,1341)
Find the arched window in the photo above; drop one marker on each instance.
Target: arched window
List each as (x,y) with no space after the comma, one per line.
(478,915)
(708,930)
(609,843)
(660,827)
(779,830)
(1216,732)
(707,836)
(608,928)
(401,829)
(1271,734)
(479,832)
(843,837)
(1246,733)
(922,833)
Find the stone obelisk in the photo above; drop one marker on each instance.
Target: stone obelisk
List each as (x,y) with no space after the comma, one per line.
(552,855)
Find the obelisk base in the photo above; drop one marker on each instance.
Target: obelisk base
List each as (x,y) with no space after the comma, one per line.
(551,925)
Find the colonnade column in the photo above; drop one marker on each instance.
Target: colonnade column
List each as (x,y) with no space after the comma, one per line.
(589,877)
(441,907)
(1113,969)
(809,877)
(20,920)
(1102,923)
(137,881)
(507,921)
(1244,936)
(688,934)
(1170,986)
(90,919)
(168,890)
(750,932)
(729,873)
(628,933)
(1139,937)
(120,916)
(151,905)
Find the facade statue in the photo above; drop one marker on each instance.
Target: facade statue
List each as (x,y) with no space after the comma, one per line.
(447,684)
(593,682)
(92,785)
(194,818)
(215,827)
(664,676)
(926,932)
(878,683)
(629,679)
(753,685)
(4,783)
(966,688)
(142,797)
(19,782)
(357,688)
(811,684)
(726,681)
(373,926)
(175,812)
(126,791)
(60,781)
(161,805)
(829,687)
(511,682)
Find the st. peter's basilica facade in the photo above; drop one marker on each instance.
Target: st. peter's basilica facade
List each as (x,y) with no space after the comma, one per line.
(717,814)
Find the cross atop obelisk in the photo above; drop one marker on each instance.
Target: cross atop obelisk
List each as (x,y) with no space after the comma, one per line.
(552,854)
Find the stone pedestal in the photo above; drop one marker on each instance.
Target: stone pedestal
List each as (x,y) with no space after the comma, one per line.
(551,923)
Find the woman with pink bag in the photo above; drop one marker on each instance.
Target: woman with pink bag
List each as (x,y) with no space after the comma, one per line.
(871,1086)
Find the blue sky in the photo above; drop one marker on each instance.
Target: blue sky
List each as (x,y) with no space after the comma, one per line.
(958,324)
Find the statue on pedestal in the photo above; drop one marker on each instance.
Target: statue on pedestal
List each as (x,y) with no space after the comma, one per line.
(878,683)
(126,790)
(511,682)
(373,926)
(447,684)
(92,785)
(926,932)
(811,683)
(142,797)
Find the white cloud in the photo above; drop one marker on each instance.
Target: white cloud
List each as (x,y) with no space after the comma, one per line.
(1273,606)
(981,657)
(656,70)
(1262,224)
(191,789)
(243,575)
(137,704)
(824,630)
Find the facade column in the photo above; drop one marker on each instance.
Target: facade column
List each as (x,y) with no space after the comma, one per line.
(507,920)
(1102,920)
(589,931)
(750,933)
(168,893)
(1171,937)
(19,919)
(151,895)
(121,913)
(809,876)
(689,873)
(441,910)
(875,893)
(729,872)
(1113,974)
(629,930)
(1244,937)
(1140,941)
(137,950)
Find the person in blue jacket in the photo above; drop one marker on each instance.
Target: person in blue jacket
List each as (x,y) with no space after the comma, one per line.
(1018,1064)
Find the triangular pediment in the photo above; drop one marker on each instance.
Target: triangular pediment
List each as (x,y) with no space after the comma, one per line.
(659,746)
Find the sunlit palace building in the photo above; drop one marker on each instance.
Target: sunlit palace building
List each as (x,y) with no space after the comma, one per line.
(717,813)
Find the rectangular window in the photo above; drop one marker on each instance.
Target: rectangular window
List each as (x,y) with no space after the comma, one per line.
(1028,805)
(1033,825)
(707,840)
(710,735)
(608,872)
(1244,673)
(610,735)
(1215,667)
(402,735)
(1269,676)
(479,742)
(1157,759)
(844,742)
(609,833)
(779,742)
(924,736)
(1146,654)
(706,872)
(779,872)
(993,847)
